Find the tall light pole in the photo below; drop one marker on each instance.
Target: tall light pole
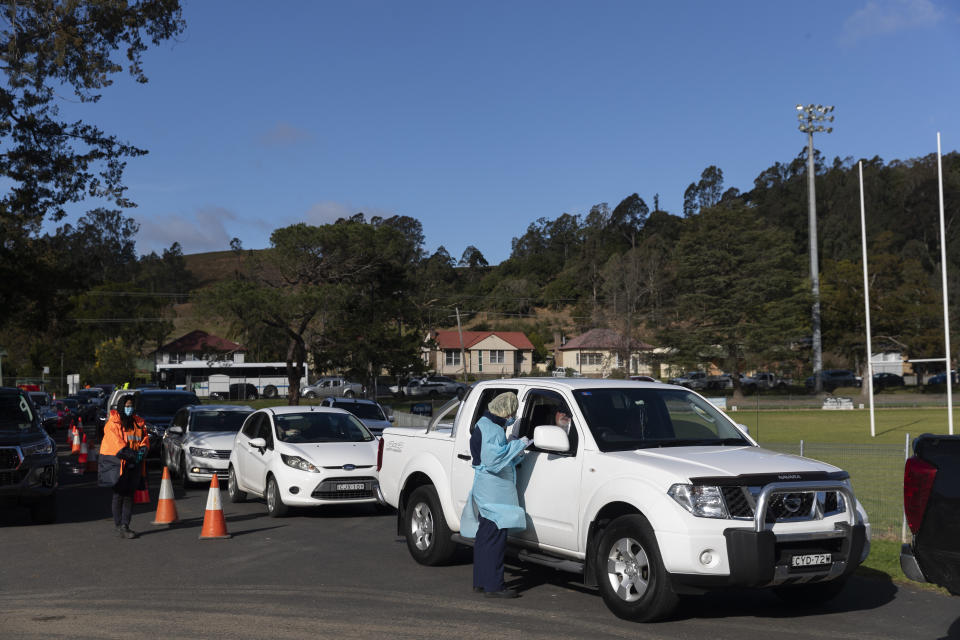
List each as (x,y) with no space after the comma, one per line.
(811,119)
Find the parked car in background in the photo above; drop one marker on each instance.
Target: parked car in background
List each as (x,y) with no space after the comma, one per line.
(691,380)
(450,386)
(40,399)
(941,378)
(834,378)
(767,381)
(420,387)
(370,413)
(198,442)
(884,380)
(29,471)
(157,408)
(333,386)
(303,456)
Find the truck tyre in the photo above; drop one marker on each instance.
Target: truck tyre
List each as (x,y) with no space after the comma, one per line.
(428,537)
(348,394)
(630,573)
(814,593)
(310,394)
(270,392)
(44,511)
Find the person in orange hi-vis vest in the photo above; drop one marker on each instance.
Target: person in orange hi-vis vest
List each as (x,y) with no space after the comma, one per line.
(124,448)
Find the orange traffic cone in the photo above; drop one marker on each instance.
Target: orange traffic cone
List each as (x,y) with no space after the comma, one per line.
(142,494)
(166,507)
(75,447)
(214,526)
(82,461)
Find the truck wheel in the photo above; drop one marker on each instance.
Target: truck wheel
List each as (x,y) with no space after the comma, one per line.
(630,573)
(348,394)
(44,511)
(428,537)
(233,489)
(310,394)
(810,594)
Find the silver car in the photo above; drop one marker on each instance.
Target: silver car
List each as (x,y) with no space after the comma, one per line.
(333,386)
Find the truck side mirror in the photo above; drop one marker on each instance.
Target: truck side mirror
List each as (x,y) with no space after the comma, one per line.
(177,431)
(551,438)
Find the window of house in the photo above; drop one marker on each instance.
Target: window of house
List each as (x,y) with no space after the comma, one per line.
(496,356)
(452,358)
(590,359)
(479,360)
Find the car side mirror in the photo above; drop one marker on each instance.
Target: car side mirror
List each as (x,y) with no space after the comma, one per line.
(744,428)
(258,443)
(177,431)
(551,438)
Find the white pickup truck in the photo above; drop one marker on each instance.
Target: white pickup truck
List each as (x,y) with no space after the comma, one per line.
(652,493)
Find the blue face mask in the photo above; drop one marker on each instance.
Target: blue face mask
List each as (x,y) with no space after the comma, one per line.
(510,421)
(128,411)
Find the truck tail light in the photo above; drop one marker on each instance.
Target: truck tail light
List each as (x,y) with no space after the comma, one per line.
(918,477)
(380,454)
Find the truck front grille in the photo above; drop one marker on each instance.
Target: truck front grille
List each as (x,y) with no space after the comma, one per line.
(783,507)
(10,458)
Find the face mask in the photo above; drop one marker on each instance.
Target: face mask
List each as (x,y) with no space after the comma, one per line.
(564,422)
(128,411)
(510,421)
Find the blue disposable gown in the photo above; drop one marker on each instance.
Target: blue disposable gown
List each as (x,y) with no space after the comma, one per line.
(494,492)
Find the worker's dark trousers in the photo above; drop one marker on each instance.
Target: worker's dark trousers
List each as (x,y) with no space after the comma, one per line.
(488,549)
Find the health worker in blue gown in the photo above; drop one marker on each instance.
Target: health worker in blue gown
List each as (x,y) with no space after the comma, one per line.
(492,507)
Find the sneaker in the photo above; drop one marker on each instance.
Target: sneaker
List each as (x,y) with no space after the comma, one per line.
(504,593)
(478,589)
(125,532)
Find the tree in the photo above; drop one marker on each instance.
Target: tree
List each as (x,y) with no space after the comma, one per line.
(47,162)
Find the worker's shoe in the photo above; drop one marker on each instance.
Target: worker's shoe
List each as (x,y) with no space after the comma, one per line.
(503,593)
(124,532)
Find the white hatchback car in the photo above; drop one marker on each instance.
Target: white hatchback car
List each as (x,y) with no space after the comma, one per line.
(303,456)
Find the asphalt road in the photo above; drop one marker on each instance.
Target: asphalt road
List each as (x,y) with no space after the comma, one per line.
(344,573)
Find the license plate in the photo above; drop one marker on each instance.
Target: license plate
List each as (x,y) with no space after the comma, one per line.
(810,560)
(352,486)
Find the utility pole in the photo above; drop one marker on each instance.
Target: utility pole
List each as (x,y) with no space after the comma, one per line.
(463,357)
(810,116)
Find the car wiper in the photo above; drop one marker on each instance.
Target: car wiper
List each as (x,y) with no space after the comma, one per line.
(702,442)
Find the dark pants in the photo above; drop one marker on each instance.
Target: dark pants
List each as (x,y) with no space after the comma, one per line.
(488,549)
(122,509)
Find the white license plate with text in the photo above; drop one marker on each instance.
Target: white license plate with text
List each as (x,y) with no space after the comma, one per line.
(353,486)
(810,560)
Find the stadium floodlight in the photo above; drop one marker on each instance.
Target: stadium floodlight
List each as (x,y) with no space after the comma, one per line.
(809,117)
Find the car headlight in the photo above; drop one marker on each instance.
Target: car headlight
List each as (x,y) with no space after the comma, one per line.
(198,452)
(40,449)
(155,430)
(703,502)
(298,463)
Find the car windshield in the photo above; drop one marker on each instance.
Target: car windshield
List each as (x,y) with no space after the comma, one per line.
(624,419)
(228,421)
(15,413)
(39,399)
(163,404)
(71,403)
(319,426)
(361,410)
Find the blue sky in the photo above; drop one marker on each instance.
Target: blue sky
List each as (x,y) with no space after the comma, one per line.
(479,118)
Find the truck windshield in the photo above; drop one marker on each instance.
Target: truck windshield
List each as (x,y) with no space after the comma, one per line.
(639,418)
(15,413)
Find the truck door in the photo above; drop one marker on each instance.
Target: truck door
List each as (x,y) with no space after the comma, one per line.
(548,483)
(461,473)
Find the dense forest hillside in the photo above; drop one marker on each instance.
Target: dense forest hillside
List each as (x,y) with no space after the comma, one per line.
(724,281)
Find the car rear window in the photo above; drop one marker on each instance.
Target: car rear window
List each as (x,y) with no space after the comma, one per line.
(149,404)
(361,410)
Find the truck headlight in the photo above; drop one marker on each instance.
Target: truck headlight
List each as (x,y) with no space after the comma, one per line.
(298,463)
(703,502)
(197,452)
(40,449)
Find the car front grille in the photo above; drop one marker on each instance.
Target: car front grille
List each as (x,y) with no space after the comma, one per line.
(783,507)
(223,454)
(8,478)
(10,458)
(327,490)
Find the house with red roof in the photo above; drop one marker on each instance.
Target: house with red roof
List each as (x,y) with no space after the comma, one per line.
(483,353)
(599,351)
(199,345)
